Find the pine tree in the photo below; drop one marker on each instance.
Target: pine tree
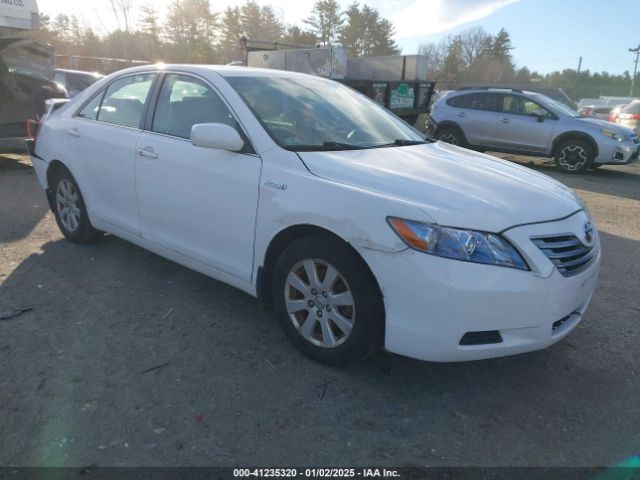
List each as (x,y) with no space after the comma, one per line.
(325,21)
(231,30)
(296,36)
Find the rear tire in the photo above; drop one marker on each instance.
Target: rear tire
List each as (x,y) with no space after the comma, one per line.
(574,156)
(450,135)
(70,210)
(334,314)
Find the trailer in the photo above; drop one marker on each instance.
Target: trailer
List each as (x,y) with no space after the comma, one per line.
(397,82)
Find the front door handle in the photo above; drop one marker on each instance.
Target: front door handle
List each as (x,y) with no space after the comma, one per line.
(462,114)
(505,120)
(73,132)
(147,152)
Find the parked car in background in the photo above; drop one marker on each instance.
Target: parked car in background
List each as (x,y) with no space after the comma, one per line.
(528,123)
(615,111)
(629,116)
(601,113)
(26,82)
(300,191)
(75,81)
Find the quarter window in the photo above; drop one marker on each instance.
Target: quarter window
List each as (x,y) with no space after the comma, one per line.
(90,110)
(185,101)
(125,99)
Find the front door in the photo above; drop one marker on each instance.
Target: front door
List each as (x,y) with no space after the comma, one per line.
(525,125)
(200,202)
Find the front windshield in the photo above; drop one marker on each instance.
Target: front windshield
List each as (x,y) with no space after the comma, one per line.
(313,114)
(561,107)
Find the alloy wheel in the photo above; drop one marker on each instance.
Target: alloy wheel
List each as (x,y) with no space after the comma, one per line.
(449,138)
(67,205)
(320,303)
(572,157)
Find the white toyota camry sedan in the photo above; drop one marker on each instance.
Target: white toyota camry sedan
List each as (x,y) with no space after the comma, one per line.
(360,233)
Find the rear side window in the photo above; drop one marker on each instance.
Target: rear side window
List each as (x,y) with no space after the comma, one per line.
(475,101)
(185,101)
(633,107)
(125,99)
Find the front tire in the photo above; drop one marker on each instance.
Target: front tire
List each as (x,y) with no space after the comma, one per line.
(574,156)
(327,301)
(450,135)
(70,210)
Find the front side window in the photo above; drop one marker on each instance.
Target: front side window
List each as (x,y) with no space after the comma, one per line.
(185,101)
(517,105)
(314,114)
(125,99)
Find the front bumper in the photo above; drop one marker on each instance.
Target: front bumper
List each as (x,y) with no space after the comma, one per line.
(613,152)
(432,303)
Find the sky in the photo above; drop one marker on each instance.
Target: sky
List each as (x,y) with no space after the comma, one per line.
(547,34)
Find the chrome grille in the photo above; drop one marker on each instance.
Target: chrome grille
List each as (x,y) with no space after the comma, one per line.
(567,252)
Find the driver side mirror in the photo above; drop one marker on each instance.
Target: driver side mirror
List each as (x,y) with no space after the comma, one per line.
(216,135)
(539,114)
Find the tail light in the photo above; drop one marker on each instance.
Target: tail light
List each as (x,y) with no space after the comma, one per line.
(33,128)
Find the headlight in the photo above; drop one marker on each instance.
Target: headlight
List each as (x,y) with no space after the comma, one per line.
(466,245)
(611,134)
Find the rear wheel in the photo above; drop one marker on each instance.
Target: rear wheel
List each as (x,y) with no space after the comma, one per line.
(574,156)
(70,210)
(327,301)
(450,135)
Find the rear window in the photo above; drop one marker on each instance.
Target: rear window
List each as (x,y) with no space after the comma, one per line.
(633,107)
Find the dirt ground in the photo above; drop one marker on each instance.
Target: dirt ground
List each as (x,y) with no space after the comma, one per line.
(125,359)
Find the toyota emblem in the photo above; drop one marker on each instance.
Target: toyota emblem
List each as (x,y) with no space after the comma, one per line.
(588,232)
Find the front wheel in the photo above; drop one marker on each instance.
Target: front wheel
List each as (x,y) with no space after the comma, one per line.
(327,301)
(70,210)
(450,135)
(574,156)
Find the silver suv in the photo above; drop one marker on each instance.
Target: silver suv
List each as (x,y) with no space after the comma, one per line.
(528,123)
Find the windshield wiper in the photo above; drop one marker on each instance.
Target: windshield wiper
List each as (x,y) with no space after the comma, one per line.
(325,147)
(402,142)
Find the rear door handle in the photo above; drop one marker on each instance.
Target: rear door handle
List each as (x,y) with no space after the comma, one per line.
(462,114)
(505,120)
(147,152)
(73,132)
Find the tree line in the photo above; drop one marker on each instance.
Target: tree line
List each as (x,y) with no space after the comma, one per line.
(192,32)
(474,56)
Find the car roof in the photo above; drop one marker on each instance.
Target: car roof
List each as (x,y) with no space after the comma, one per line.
(222,70)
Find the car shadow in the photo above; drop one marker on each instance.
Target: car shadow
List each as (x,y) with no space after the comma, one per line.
(118,345)
(23,203)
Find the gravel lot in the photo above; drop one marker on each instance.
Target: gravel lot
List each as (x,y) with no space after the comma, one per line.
(129,359)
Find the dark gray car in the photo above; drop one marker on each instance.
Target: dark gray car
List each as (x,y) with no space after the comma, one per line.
(528,123)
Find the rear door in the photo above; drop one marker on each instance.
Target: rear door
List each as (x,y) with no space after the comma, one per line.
(103,136)
(200,202)
(521,128)
(476,113)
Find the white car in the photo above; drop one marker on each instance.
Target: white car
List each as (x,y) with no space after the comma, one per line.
(308,195)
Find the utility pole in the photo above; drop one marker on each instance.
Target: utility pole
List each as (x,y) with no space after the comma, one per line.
(635,69)
(578,72)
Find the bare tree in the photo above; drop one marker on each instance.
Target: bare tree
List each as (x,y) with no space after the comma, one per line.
(122,10)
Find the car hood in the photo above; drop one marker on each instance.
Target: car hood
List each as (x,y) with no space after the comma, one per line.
(454,186)
(600,124)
